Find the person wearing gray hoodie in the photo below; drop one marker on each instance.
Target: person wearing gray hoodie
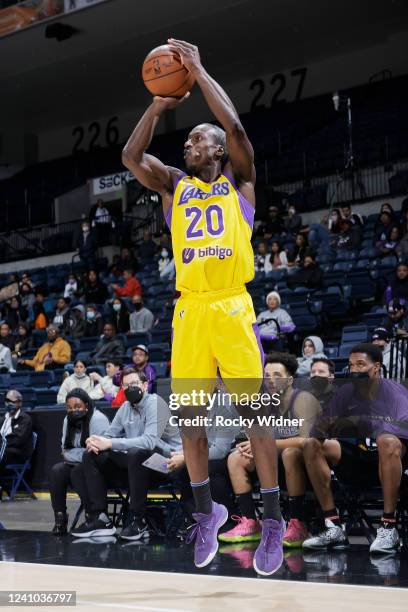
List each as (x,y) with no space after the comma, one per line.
(312,348)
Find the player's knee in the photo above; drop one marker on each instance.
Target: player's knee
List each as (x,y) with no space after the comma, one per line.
(389,446)
(291,457)
(312,448)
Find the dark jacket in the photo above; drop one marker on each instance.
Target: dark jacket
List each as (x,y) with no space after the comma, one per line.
(306,277)
(107,349)
(94,327)
(20,439)
(95,294)
(86,245)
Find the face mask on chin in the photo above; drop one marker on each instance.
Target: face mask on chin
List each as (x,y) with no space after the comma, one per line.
(80,375)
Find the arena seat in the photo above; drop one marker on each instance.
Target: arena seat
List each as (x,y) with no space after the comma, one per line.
(354,333)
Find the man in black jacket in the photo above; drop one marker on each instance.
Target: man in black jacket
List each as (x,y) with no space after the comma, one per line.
(309,275)
(86,245)
(16,428)
(109,346)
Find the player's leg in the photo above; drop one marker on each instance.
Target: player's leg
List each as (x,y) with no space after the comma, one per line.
(239,354)
(390,451)
(194,370)
(248,528)
(319,457)
(295,472)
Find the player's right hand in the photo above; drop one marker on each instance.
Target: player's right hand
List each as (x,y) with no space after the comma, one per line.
(163,104)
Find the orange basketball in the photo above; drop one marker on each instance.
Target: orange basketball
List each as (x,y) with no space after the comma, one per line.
(164,74)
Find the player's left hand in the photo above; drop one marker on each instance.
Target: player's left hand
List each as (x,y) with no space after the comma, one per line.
(190,56)
(100,443)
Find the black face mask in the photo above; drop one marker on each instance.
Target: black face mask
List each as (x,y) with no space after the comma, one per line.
(138,306)
(134,395)
(10,407)
(76,417)
(358,375)
(319,384)
(360,380)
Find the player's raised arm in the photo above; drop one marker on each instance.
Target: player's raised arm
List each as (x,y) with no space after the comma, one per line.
(240,151)
(149,170)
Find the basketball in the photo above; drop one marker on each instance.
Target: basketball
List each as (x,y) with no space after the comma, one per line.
(164,74)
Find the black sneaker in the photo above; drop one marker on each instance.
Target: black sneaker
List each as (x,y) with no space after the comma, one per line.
(136,530)
(95,526)
(61,524)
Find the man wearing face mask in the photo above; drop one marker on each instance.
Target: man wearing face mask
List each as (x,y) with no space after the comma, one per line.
(16,429)
(82,420)
(86,245)
(369,418)
(93,321)
(279,370)
(140,427)
(142,319)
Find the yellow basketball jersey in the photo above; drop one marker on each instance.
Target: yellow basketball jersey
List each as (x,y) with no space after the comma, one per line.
(211,227)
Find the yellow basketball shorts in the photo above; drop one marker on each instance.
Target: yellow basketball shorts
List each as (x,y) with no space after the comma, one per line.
(216,330)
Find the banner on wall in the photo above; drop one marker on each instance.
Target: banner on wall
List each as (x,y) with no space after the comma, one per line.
(14,18)
(73,5)
(112,182)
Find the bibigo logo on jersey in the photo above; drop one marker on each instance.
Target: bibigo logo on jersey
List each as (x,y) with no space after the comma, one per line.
(189,253)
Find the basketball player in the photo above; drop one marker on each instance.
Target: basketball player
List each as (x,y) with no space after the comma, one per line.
(210,211)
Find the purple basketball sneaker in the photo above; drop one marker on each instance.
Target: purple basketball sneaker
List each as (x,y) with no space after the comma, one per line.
(269,555)
(205,532)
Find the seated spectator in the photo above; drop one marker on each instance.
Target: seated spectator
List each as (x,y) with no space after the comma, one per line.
(53,354)
(141,320)
(386,207)
(333,221)
(27,296)
(94,321)
(104,388)
(119,315)
(140,427)
(16,428)
(292,265)
(14,313)
(108,347)
(86,245)
(293,222)
(277,259)
(169,271)
(6,363)
(312,348)
(163,260)
(365,444)
(147,249)
(23,341)
(354,218)
(397,290)
(26,280)
(140,363)
(127,260)
(404,223)
(381,337)
(267,320)
(389,246)
(320,233)
(95,292)
(349,237)
(78,380)
(273,225)
(279,371)
(309,274)
(321,380)
(300,248)
(71,287)
(382,229)
(11,289)
(260,257)
(130,288)
(61,315)
(40,319)
(81,422)
(396,320)
(75,324)
(6,337)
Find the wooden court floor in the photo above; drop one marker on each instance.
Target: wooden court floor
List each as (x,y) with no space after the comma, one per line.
(100,590)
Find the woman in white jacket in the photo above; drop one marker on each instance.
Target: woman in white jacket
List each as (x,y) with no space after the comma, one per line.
(78,380)
(104,388)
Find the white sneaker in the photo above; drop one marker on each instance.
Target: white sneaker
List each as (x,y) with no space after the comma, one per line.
(332,536)
(387,540)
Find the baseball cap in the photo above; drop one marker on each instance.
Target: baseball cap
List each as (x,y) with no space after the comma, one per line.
(142,347)
(380,333)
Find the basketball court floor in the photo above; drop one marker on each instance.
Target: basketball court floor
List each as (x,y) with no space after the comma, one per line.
(159,576)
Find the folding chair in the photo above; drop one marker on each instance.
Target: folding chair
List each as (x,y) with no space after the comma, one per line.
(120,502)
(18,471)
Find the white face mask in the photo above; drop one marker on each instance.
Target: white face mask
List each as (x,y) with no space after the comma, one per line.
(164,253)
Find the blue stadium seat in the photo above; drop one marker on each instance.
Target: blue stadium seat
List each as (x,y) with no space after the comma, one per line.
(331,351)
(160,367)
(139,338)
(88,344)
(344,349)
(343,266)
(5,381)
(46,397)
(41,379)
(354,333)
(19,379)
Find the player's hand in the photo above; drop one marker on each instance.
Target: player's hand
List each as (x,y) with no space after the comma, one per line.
(99,443)
(245,449)
(190,57)
(163,104)
(176,461)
